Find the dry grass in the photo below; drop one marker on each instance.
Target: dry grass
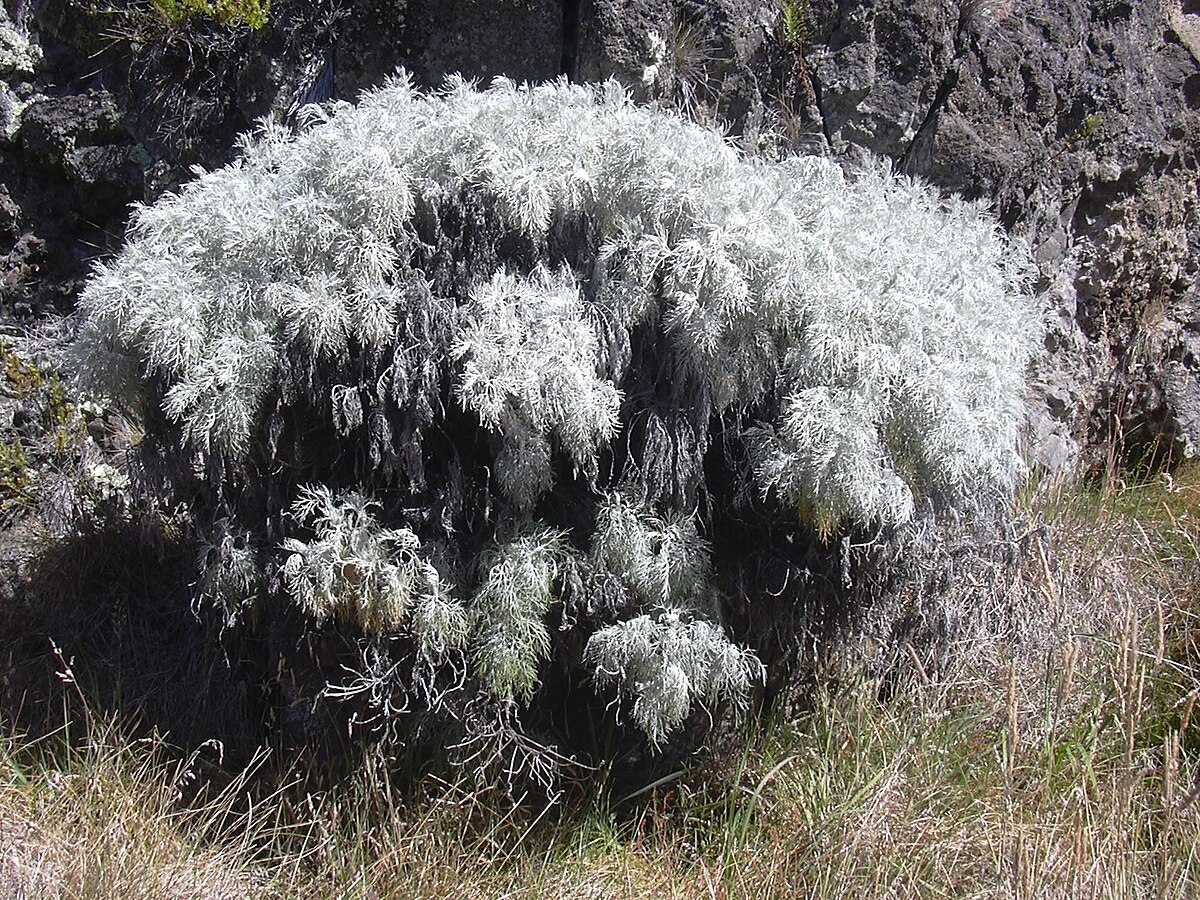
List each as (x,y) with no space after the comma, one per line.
(106,821)
(1063,761)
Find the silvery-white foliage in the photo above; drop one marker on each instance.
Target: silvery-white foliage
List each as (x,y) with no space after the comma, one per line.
(864,338)
(894,324)
(669,661)
(664,560)
(508,634)
(355,569)
(673,658)
(231,572)
(529,355)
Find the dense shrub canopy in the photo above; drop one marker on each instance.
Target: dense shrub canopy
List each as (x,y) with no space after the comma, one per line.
(447,367)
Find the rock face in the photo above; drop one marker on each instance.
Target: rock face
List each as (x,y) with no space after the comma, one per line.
(69,174)
(1078,120)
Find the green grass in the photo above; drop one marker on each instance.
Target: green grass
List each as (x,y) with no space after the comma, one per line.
(794,17)
(55,426)
(231,13)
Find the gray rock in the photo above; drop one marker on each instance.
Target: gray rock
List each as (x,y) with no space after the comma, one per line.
(480,39)
(11,107)
(717,63)
(53,126)
(1182,389)
(630,41)
(18,54)
(10,214)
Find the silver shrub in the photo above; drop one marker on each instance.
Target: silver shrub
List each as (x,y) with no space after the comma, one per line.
(231,572)
(665,561)
(677,656)
(865,339)
(357,570)
(669,661)
(529,355)
(509,636)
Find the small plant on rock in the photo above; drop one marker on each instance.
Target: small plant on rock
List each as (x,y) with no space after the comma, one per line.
(230,13)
